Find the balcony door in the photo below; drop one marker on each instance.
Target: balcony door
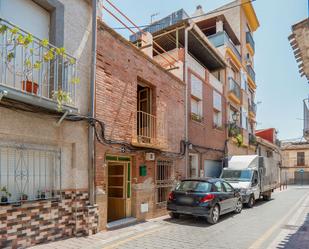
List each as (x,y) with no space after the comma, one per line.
(145,119)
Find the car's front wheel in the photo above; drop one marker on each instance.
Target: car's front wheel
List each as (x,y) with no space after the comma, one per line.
(238,206)
(214,215)
(174,215)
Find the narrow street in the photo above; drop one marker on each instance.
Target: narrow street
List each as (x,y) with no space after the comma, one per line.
(279,223)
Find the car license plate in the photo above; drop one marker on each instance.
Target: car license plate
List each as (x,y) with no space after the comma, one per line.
(185,200)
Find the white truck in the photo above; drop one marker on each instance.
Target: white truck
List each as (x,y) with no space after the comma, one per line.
(254,176)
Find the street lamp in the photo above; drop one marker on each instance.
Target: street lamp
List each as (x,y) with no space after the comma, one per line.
(235,116)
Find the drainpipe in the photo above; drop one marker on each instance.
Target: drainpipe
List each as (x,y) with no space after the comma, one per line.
(91,137)
(185,79)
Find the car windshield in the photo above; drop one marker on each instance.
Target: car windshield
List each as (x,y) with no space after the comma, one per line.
(193,186)
(237,175)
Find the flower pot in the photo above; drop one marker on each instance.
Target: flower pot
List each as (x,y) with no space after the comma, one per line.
(30,87)
(4,199)
(24,197)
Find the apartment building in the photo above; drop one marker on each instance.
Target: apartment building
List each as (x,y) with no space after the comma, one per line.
(141,155)
(230,29)
(295,162)
(44,52)
(197,63)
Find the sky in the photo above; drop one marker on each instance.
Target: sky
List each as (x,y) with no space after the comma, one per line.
(280,89)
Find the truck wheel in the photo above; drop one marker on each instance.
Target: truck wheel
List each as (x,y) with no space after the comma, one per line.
(250,203)
(267,197)
(214,215)
(174,215)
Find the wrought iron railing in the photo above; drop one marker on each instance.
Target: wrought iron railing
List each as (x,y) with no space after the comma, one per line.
(233,129)
(164,180)
(252,107)
(34,66)
(29,172)
(221,38)
(146,127)
(251,72)
(249,39)
(234,87)
(252,139)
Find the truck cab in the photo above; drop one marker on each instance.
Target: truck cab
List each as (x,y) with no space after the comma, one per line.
(254,176)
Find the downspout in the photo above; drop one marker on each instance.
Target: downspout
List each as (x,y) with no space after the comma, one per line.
(185,79)
(91,137)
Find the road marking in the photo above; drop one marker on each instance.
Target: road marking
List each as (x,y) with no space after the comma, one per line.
(135,237)
(257,244)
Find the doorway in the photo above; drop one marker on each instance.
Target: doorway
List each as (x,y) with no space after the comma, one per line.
(119,191)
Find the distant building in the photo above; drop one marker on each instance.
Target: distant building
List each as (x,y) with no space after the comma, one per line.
(295,162)
(299,40)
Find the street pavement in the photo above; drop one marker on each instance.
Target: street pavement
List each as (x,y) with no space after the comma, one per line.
(281,223)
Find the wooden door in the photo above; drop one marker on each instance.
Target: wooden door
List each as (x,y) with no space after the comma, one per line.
(116,207)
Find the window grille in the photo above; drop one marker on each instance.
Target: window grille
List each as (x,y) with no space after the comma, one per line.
(164,180)
(34,171)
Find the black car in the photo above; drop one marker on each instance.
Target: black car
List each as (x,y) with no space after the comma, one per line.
(206,197)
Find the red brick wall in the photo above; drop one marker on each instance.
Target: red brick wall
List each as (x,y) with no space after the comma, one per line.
(119,65)
(203,133)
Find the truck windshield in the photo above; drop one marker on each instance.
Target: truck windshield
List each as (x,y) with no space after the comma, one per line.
(193,186)
(237,175)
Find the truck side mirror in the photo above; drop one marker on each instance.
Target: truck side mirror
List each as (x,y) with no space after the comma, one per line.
(255,181)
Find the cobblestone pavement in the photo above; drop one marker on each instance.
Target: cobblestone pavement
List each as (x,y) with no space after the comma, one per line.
(281,223)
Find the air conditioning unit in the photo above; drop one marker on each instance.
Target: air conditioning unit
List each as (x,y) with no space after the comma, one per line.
(150,156)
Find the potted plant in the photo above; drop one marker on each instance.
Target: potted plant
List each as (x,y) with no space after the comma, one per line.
(23,197)
(5,195)
(41,195)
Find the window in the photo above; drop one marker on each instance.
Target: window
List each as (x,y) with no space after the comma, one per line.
(228,187)
(196,96)
(269,153)
(244,119)
(217,106)
(164,180)
(29,172)
(244,84)
(255,179)
(300,158)
(194,186)
(218,186)
(193,160)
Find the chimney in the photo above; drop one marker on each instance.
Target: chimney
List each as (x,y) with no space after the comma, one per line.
(198,11)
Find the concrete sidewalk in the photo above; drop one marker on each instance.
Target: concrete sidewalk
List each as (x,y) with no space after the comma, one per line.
(105,238)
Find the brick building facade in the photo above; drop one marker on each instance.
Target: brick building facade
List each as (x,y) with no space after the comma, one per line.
(142,107)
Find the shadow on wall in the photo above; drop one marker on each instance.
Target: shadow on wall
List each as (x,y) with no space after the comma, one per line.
(298,239)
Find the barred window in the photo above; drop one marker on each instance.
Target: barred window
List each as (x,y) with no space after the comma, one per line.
(29,172)
(164,180)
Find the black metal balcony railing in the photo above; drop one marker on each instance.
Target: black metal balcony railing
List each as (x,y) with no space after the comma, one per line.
(234,87)
(33,67)
(221,38)
(249,39)
(252,139)
(252,107)
(251,72)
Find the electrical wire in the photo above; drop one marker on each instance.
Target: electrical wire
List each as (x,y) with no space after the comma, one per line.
(188,18)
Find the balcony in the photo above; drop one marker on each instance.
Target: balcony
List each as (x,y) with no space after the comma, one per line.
(234,90)
(145,133)
(35,72)
(233,130)
(250,42)
(251,73)
(252,139)
(252,109)
(221,38)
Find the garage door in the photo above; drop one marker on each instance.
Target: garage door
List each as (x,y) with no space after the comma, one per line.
(301,178)
(212,168)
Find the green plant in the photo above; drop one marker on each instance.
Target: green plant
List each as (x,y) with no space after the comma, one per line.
(239,140)
(196,117)
(5,192)
(62,97)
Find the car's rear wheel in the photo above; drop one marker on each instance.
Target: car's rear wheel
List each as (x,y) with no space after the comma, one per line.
(214,215)
(250,203)
(238,206)
(174,215)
